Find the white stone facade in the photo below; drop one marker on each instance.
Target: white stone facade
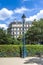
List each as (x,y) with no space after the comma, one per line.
(16,28)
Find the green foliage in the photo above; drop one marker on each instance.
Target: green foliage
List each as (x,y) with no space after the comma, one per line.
(33,49)
(9,50)
(14,50)
(15,41)
(7,39)
(19,39)
(35,32)
(4,37)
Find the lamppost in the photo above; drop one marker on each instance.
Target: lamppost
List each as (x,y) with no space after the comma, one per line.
(23,39)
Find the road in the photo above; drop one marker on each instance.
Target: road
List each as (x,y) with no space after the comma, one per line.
(21,61)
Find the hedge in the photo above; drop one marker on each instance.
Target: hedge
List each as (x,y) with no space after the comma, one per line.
(14,50)
(9,50)
(32,50)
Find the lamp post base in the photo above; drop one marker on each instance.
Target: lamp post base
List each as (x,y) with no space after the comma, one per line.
(24,52)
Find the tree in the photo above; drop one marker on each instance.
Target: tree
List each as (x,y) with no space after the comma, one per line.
(35,32)
(4,38)
(20,39)
(7,39)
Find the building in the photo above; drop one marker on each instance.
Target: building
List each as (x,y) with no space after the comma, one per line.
(16,28)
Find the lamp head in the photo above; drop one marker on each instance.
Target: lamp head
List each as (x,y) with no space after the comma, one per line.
(23,16)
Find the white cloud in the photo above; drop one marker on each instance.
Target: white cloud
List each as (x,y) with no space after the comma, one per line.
(37,16)
(31,18)
(20,10)
(5,13)
(9,14)
(3,26)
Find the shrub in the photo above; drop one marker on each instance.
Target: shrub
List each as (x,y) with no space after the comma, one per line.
(14,50)
(9,50)
(33,49)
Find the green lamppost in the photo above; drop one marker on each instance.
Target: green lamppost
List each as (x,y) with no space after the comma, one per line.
(23,39)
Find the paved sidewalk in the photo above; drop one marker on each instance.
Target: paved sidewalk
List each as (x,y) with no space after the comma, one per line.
(21,61)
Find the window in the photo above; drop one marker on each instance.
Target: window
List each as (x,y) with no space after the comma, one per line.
(15,36)
(14,28)
(21,32)
(21,28)
(11,33)
(14,32)
(24,29)
(27,25)
(18,28)
(17,32)
(27,28)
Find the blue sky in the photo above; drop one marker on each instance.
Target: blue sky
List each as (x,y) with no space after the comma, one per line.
(13,9)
